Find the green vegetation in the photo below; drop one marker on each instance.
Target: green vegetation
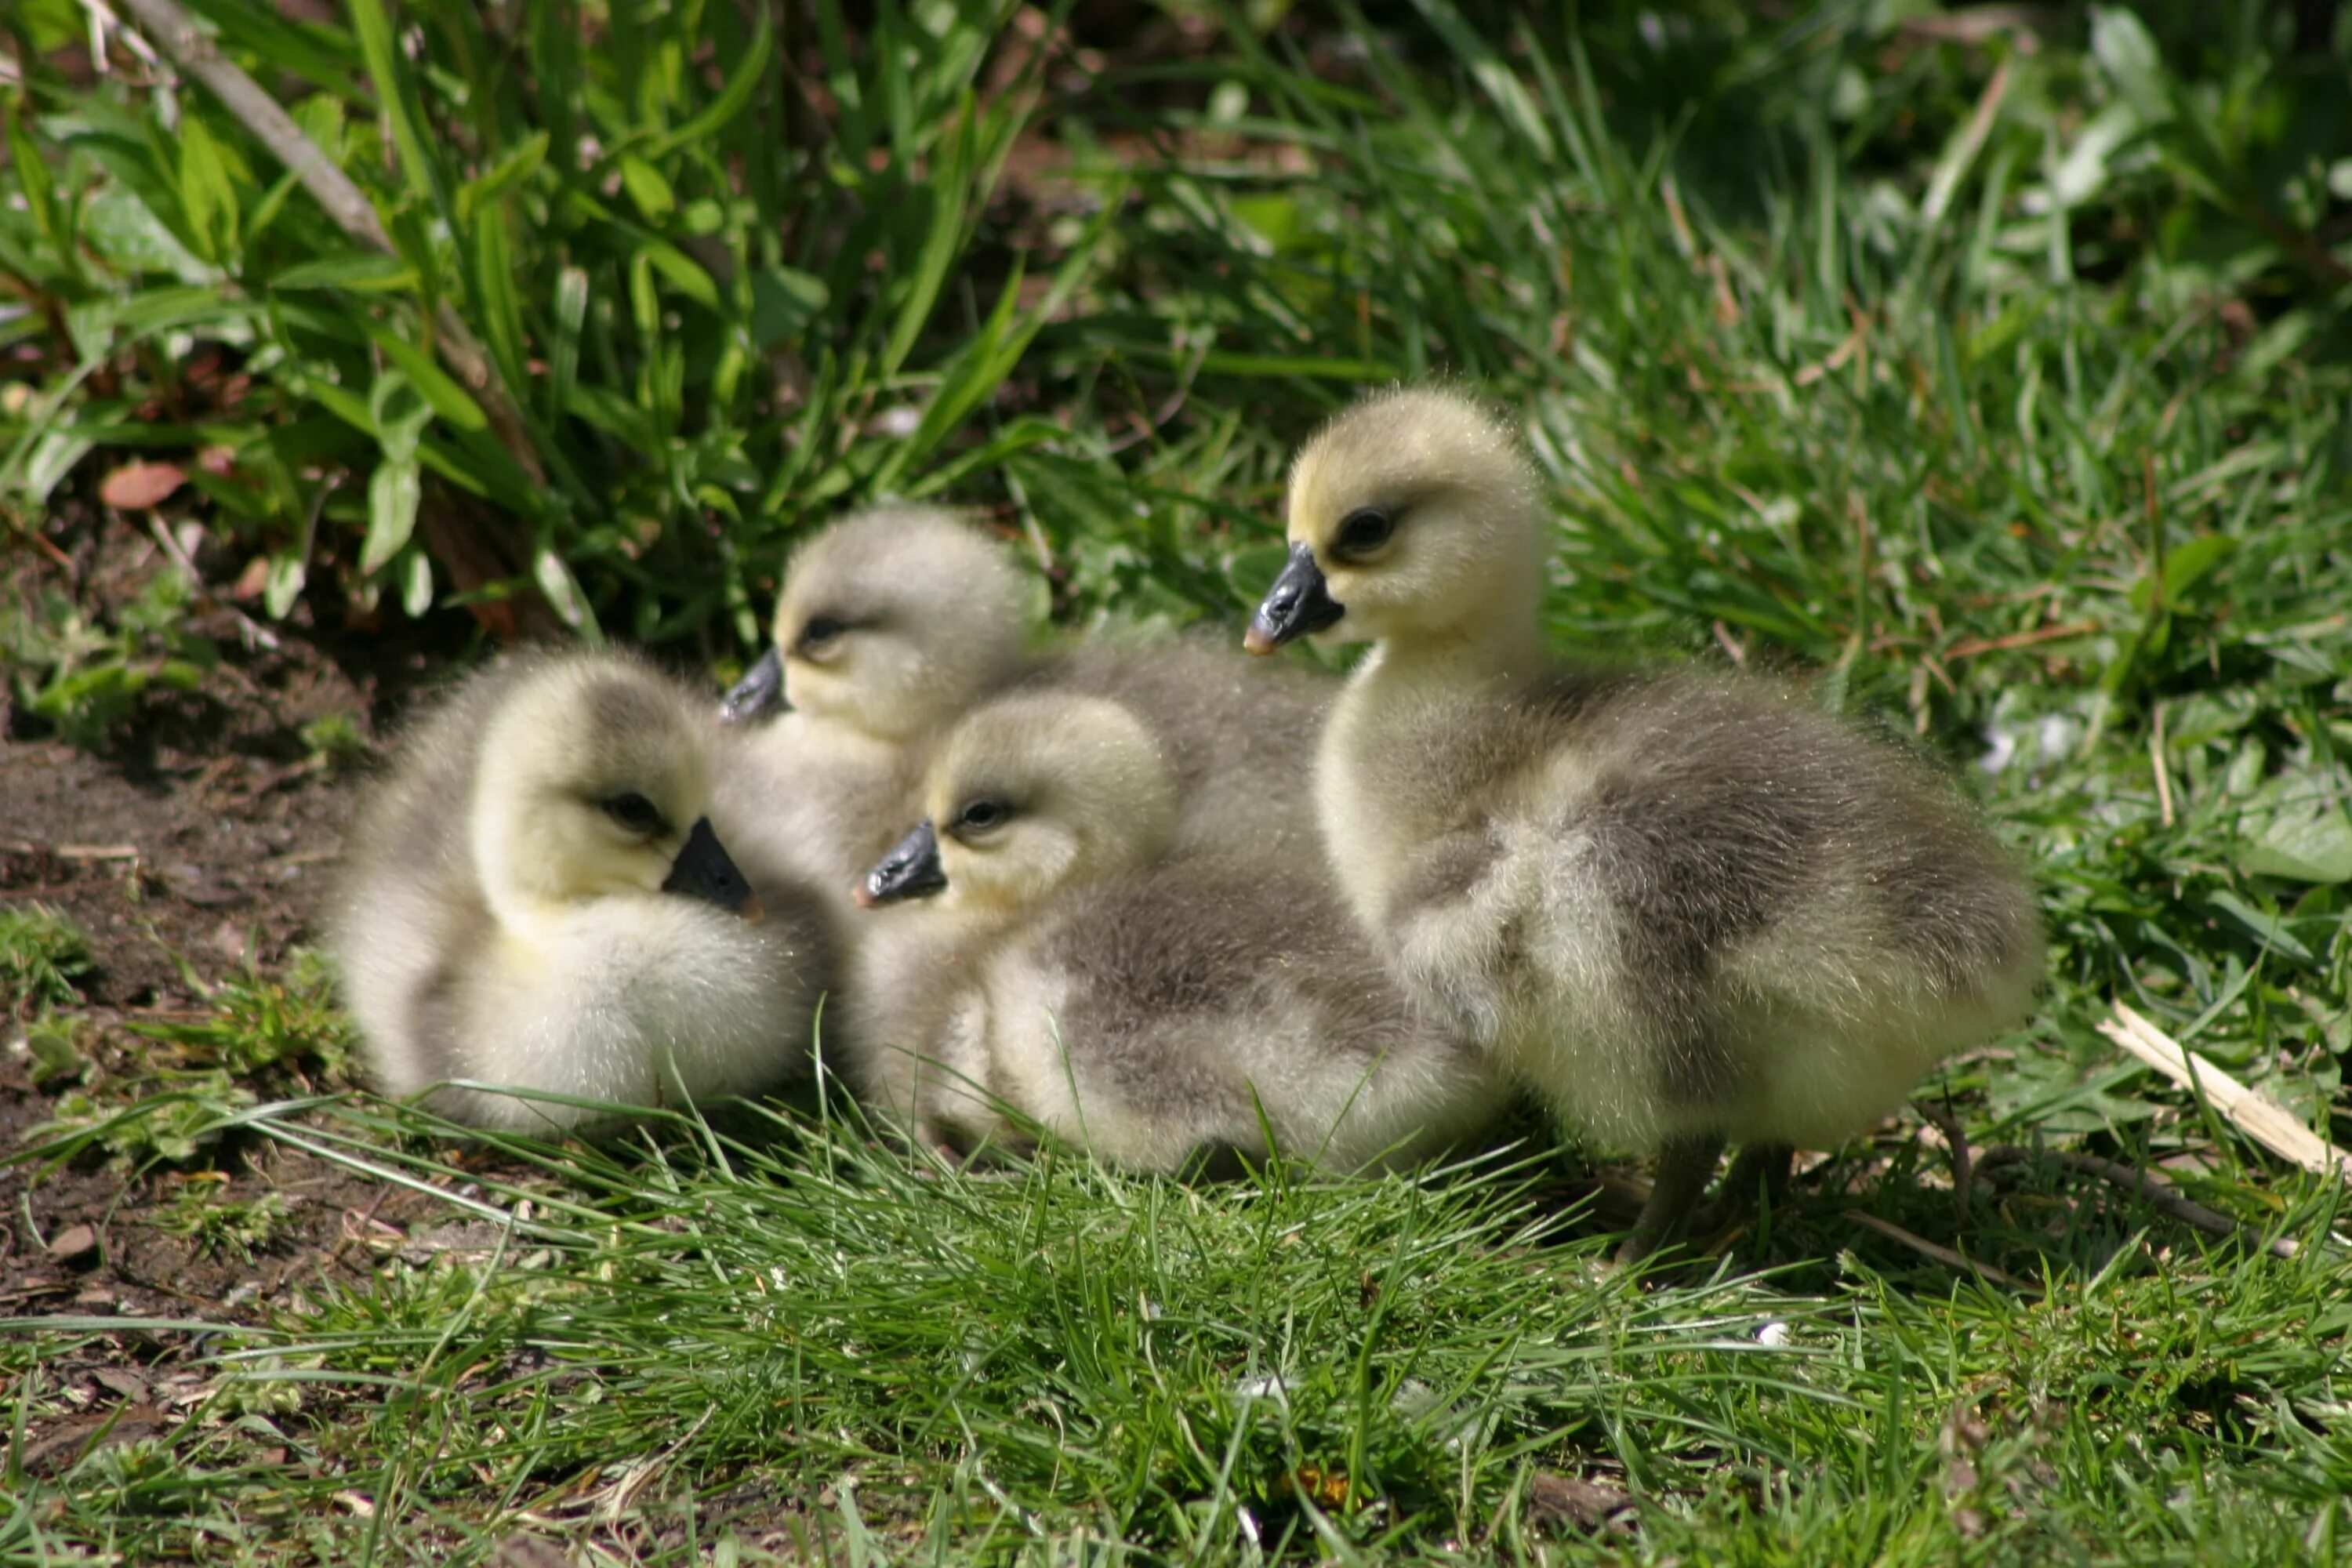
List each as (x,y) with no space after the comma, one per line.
(1997,384)
(166,1100)
(41,955)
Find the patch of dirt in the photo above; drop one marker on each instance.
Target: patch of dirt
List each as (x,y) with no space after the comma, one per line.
(194,847)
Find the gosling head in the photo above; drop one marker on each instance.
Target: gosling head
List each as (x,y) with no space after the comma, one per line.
(1413,516)
(595,781)
(1028,795)
(891,621)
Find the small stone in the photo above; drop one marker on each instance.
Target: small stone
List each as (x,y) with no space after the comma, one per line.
(73,1242)
(1556,1499)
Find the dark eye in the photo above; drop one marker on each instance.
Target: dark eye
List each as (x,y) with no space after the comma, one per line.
(982,816)
(1365,530)
(635,812)
(819,630)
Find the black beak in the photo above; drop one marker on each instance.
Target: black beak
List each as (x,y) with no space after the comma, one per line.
(911,870)
(703,870)
(1299,602)
(758,693)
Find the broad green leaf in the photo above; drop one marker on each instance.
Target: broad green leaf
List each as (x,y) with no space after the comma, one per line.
(288,576)
(397,414)
(2267,929)
(321,117)
(416,584)
(2186,566)
(683,271)
(519,163)
(563,360)
(448,399)
(273,202)
(52,458)
(1274,219)
(360,271)
(2312,845)
(783,301)
(562,590)
(339,401)
(393,493)
(647,189)
(2121,44)
(206,193)
(125,231)
(2299,827)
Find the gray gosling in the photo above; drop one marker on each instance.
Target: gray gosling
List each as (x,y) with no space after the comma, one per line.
(1149,1011)
(1686,910)
(535,898)
(895,621)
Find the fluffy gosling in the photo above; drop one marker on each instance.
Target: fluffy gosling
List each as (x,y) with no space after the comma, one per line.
(1148,1011)
(535,898)
(1685,909)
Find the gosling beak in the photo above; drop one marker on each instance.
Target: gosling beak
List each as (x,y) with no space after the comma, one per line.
(911,870)
(758,693)
(703,870)
(1299,602)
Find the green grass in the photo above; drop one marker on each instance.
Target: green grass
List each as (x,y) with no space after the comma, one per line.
(42,954)
(1999,393)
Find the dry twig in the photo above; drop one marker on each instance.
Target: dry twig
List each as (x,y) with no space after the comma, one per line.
(1943,1255)
(2160,1193)
(2253,1112)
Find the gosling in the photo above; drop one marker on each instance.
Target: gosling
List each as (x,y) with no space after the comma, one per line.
(1150,1012)
(1686,910)
(535,900)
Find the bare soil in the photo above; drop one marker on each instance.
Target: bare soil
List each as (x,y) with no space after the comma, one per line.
(195,845)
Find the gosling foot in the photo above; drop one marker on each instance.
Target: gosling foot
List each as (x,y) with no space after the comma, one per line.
(1683,1167)
(1759,1168)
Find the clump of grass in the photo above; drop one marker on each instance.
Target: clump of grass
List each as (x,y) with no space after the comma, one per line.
(204,1212)
(259,1022)
(86,675)
(335,742)
(42,954)
(264,1034)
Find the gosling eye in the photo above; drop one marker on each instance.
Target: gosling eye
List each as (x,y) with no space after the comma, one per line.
(636,813)
(1364,531)
(820,634)
(981,816)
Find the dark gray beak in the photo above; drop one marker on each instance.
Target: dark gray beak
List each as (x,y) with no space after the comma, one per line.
(704,870)
(757,694)
(1299,602)
(911,870)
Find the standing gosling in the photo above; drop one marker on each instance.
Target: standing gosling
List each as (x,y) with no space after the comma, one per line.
(535,898)
(1685,909)
(1146,1012)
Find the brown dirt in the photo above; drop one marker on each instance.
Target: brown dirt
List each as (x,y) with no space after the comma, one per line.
(194,846)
